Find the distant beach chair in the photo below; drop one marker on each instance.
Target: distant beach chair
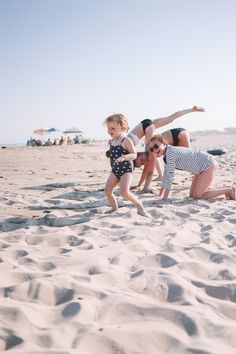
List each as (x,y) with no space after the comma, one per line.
(217,152)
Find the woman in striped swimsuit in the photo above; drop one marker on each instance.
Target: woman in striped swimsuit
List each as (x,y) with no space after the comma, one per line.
(202,165)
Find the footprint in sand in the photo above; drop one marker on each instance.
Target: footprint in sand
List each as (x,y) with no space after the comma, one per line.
(44,341)
(217,257)
(34,240)
(225,274)
(165,261)
(71,310)
(10,341)
(222,292)
(231,239)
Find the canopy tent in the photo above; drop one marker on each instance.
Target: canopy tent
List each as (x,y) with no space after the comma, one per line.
(72,130)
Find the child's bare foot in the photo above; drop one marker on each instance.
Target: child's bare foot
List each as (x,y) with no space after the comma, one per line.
(230,195)
(110,211)
(198,109)
(144,213)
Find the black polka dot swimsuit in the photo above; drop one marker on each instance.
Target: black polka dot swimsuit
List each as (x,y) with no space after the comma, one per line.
(119,169)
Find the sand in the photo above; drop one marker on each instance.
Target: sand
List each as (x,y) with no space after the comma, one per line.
(77,280)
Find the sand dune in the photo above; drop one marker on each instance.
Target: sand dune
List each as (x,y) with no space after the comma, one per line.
(77,280)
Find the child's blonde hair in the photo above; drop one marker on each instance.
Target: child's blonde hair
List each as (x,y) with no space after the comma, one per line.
(118,118)
(159,138)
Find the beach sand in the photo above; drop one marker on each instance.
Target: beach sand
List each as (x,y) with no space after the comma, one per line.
(77,280)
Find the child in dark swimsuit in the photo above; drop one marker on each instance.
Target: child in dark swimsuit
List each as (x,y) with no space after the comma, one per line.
(122,154)
(119,169)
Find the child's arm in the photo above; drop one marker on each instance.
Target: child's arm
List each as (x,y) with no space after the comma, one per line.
(129,146)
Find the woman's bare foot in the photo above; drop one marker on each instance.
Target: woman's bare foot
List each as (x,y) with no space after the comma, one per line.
(157,179)
(198,109)
(230,195)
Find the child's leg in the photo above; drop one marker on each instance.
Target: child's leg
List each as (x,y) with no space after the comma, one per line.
(192,188)
(202,182)
(111,183)
(125,183)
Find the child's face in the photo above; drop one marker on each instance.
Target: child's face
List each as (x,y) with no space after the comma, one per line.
(157,148)
(114,129)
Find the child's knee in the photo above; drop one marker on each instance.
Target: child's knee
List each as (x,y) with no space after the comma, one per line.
(124,194)
(107,190)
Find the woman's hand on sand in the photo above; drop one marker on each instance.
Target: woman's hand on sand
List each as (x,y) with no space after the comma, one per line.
(149,190)
(134,187)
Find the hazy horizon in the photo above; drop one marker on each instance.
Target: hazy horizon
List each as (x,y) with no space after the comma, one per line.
(71,63)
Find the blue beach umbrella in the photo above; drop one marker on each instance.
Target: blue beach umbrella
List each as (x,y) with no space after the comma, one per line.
(53,130)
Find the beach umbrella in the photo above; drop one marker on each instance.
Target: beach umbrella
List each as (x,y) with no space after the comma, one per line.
(72,130)
(54,130)
(41,131)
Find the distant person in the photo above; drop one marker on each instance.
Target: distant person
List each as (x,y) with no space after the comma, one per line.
(62,140)
(48,142)
(175,137)
(122,154)
(30,142)
(78,139)
(69,141)
(38,142)
(202,165)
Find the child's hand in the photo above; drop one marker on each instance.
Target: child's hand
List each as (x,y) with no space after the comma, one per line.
(119,159)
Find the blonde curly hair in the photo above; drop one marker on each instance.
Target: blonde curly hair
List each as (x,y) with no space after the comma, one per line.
(118,118)
(159,138)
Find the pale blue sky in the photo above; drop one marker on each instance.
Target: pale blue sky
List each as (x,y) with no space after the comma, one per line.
(70,63)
